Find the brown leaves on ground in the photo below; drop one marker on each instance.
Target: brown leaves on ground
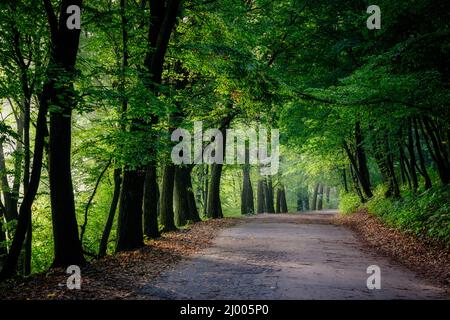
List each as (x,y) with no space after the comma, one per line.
(120,276)
(429,259)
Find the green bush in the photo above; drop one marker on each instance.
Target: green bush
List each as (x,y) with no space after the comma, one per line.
(425,214)
(349,203)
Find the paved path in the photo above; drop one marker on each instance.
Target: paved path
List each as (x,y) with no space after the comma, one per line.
(288,257)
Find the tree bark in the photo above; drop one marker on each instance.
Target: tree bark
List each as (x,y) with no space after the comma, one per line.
(181,200)
(129,224)
(166,198)
(362,162)
(151,197)
(314,199)
(412,157)
(163,18)
(260,208)
(423,168)
(283,202)
(247,203)
(112,212)
(278,201)
(436,151)
(214,205)
(64,45)
(269,195)
(193,211)
(320,198)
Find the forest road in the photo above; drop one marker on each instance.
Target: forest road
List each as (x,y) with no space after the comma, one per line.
(288,256)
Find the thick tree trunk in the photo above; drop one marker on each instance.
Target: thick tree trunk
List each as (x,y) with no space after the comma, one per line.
(181,198)
(151,198)
(163,18)
(64,51)
(67,245)
(278,201)
(269,195)
(214,206)
(112,212)
(129,224)
(247,204)
(261,201)
(166,198)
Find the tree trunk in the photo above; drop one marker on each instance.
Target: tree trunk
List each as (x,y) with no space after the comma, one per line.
(214,205)
(3,250)
(193,211)
(112,212)
(412,157)
(205,190)
(181,199)
(300,198)
(435,151)
(344,179)
(129,224)
(64,51)
(283,202)
(315,194)
(67,245)
(320,196)
(260,208)
(269,196)
(151,198)
(166,198)
(247,204)
(362,162)
(327,195)
(278,201)
(8,196)
(423,168)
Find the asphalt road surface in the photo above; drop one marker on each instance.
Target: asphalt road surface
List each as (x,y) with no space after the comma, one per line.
(282,256)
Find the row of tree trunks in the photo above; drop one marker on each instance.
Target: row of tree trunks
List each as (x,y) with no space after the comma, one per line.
(303,200)
(422,167)
(281,204)
(435,144)
(57,91)
(130,235)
